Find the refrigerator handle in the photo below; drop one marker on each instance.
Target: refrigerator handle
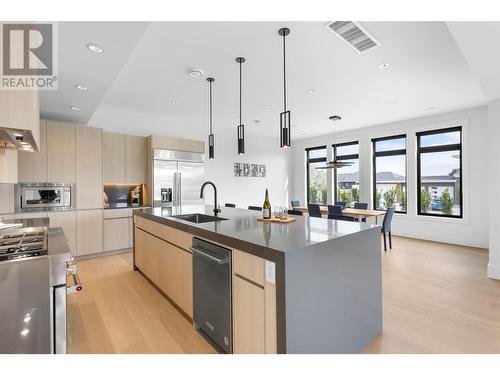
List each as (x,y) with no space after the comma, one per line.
(174,191)
(180,189)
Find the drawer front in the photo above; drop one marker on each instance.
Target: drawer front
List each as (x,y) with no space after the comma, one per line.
(249,266)
(172,235)
(117,234)
(116,213)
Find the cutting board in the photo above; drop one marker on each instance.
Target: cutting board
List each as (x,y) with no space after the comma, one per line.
(274,219)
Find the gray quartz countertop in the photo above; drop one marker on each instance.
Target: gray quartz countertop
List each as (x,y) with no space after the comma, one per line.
(242,228)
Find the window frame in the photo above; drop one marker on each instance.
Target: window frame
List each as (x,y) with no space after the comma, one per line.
(342,157)
(440,148)
(388,153)
(313,160)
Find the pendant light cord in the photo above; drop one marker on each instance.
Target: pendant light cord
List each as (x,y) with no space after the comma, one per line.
(211,130)
(284,72)
(240,92)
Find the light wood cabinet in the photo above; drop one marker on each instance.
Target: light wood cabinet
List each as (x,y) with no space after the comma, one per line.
(61,155)
(88,167)
(113,154)
(89,233)
(67,221)
(135,159)
(7,198)
(146,254)
(254,306)
(117,233)
(32,166)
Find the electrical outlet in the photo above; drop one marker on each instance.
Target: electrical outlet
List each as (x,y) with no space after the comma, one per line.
(270,272)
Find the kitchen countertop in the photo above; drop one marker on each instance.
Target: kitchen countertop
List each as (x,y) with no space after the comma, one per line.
(115,206)
(243,229)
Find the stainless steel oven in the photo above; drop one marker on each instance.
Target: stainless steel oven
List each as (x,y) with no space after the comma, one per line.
(44,197)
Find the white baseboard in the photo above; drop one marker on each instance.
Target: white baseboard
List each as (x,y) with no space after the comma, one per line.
(494,271)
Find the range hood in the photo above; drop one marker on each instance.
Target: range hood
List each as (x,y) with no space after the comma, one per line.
(19,120)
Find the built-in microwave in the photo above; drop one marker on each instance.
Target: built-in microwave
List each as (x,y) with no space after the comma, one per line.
(44,197)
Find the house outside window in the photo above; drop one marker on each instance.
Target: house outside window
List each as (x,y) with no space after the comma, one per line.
(346,179)
(317,187)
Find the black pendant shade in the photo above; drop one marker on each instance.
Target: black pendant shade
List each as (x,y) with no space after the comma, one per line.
(285,137)
(241,127)
(211,139)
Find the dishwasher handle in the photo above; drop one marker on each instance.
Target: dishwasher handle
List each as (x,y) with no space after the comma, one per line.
(200,251)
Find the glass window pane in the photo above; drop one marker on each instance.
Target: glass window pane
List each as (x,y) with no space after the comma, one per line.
(440,188)
(313,154)
(317,183)
(347,150)
(348,183)
(449,138)
(390,182)
(391,144)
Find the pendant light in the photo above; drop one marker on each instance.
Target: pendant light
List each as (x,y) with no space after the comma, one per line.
(285,115)
(336,164)
(211,140)
(241,127)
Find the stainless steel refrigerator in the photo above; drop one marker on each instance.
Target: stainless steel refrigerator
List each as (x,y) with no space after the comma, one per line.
(177,178)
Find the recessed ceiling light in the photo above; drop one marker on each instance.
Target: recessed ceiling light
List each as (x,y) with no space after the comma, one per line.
(256,121)
(173,102)
(81,87)
(269,106)
(430,108)
(95,48)
(335,118)
(75,108)
(195,73)
(391,102)
(18,135)
(312,91)
(383,65)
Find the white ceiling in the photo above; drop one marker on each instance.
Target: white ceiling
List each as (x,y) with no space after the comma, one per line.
(144,67)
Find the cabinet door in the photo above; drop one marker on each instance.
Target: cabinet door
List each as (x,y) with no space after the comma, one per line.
(7,198)
(61,155)
(249,317)
(117,234)
(67,221)
(135,159)
(146,257)
(88,167)
(113,153)
(181,279)
(32,166)
(89,232)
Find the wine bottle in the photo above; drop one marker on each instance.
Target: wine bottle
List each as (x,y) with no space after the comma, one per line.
(266,207)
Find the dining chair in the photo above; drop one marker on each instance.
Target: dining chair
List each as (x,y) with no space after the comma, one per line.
(360,206)
(295,203)
(295,212)
(341,204)
(232,205)
(314,210)
(335,213)
(255,208)
(386,226)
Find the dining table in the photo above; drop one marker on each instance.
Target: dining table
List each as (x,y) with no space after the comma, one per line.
(357,214)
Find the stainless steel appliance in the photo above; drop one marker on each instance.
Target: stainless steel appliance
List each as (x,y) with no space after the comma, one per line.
(177,177)
(212,292)
(44,197)
(33,269)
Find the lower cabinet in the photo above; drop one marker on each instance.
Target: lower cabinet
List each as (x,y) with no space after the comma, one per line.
(67,221)
(254,306)
(89,232)
(168,266)
(117,233)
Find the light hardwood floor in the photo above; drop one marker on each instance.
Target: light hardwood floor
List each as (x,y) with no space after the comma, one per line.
(437,299)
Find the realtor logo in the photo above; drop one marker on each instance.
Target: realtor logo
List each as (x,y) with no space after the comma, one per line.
(28,56)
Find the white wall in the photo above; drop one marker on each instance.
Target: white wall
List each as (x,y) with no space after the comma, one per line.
(245,191)
(494,187)
(472,230)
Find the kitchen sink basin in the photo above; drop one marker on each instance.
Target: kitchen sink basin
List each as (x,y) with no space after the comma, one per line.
(198,218)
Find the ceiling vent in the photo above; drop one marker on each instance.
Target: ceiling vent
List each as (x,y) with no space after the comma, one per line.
(353,34)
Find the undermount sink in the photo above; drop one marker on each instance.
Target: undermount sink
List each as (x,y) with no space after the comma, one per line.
(198,218)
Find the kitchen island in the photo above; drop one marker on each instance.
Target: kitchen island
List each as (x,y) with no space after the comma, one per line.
(311,286)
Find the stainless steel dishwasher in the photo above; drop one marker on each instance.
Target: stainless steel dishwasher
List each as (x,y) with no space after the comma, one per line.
(212,292)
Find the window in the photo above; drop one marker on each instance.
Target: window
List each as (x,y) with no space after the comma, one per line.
(317,189)
(389,173)
(346,179)
(439,172)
